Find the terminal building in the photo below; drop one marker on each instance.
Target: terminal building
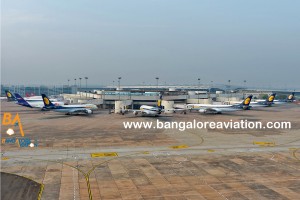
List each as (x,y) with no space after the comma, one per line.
(133,97)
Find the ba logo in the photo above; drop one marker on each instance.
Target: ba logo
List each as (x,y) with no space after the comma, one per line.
(8,120)
(247,101)
(46,100)
(271,98)
(290,97)
(9,94)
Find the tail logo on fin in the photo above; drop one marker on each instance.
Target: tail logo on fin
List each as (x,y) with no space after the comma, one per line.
(159,103)
(271,98)
(291,97)
(46,101)
(9,94)
(247,101)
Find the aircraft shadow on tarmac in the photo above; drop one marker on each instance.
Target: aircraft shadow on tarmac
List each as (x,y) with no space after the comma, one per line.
(265,110)
(147,117)
(63,116)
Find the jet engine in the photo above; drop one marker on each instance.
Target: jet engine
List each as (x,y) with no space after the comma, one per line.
(88,111)
(202,110)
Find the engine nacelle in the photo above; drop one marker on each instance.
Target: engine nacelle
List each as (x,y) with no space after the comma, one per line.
(89,111)
(135,112)
(189,107)
(202,110)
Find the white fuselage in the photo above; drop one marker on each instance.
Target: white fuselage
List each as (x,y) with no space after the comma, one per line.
(211,108)
(84,108)
(149,110)
(38,103)
(195,106)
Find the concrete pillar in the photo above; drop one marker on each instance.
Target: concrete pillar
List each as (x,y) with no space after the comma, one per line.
(121,105)
(168,106)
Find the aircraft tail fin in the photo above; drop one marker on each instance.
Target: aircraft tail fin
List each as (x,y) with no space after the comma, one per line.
(271,98)
(47,101)
(245,104)
(159,102)
(247,100)
(291,97)
(22,101)
(10,96)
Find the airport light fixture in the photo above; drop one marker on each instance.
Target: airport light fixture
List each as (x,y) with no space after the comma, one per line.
(199,79)
(119,86)
(244,89)
(229,89)
(211,84)
(80,86)
(75,84)
(86,78)
(119,82)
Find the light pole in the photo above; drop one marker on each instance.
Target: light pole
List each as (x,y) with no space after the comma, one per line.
(86,78)
(75,85)
(119,87)
(244,89)
(211,83)
(80,86)
(68,82)
(198,88)
(157,78)
(228,88)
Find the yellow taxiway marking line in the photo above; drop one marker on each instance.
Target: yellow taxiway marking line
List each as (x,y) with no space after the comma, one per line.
(294,153)
(104,154)
(211,150)
(292,149)
(4,158)
(183,146)
(269,144)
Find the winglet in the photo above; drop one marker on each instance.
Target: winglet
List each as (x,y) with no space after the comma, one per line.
(22,101)
(47,101)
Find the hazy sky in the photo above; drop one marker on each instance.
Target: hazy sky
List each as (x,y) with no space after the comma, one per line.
(51,41)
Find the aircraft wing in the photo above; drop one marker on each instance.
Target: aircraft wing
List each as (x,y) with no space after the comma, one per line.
(218,109)
(212,110)
(174,110)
